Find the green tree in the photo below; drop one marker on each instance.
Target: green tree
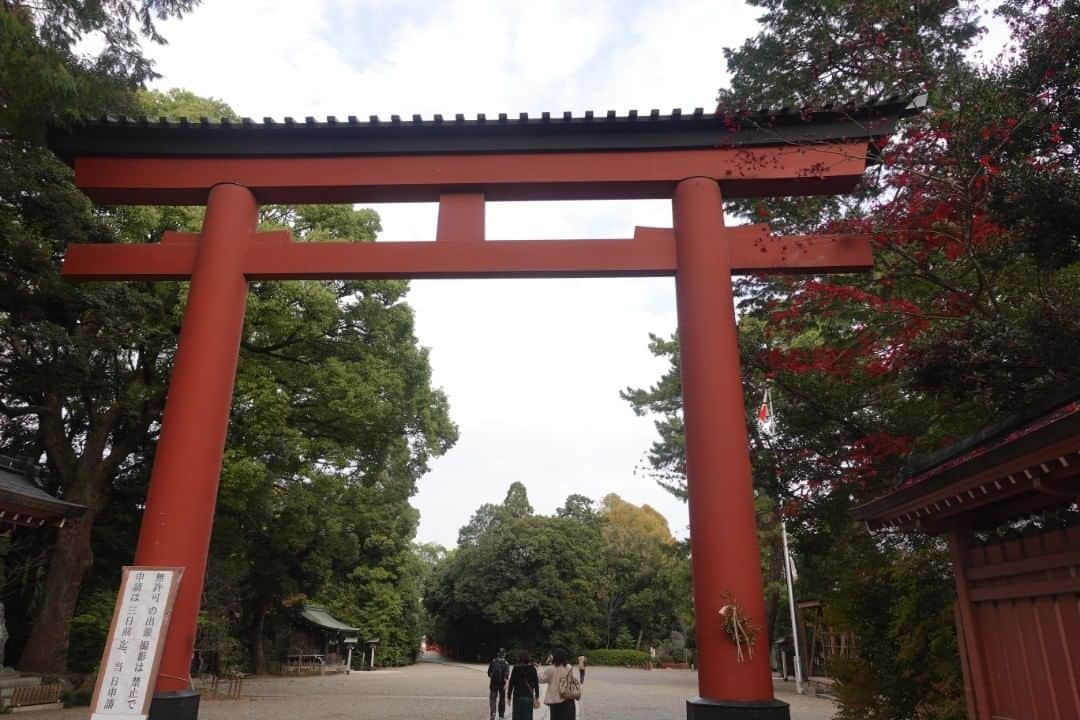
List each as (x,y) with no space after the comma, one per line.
(521,580)
(582,578)
(638,590)
(811,52)
(334,417)
(44,79)
(970,310)
(81,368)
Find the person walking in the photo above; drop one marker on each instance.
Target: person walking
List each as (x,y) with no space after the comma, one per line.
(563,689)
(523,692)
(581,668)
(498,675)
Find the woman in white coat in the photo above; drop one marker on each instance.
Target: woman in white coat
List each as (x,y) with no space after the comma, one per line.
(555,676)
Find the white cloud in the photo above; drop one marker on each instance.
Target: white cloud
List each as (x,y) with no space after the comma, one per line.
(533,368)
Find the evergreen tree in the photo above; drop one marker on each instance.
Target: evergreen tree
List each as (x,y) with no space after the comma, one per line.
(970,311)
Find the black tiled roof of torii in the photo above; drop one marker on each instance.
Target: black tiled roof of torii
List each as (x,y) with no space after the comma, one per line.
(566,132)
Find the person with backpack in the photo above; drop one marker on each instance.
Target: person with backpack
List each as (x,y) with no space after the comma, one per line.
(563,687)
(524,691)
(498,675)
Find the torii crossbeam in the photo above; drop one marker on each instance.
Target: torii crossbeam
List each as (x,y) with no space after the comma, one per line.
(695,160)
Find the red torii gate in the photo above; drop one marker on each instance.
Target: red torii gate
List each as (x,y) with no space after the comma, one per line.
(695,159)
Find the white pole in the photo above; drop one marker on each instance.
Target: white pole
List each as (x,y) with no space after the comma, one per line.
(791,605)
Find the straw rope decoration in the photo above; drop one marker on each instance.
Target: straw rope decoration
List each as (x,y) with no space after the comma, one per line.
(740,629)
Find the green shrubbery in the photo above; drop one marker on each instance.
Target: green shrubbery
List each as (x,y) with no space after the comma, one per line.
(619,658)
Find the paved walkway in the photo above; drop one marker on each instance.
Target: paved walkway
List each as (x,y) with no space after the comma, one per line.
(439,691)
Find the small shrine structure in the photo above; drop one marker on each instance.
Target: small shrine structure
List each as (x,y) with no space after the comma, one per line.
(318,642)
(1006,499)
(23,502)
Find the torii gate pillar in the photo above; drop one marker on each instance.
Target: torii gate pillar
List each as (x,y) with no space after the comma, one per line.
(723,531)
(461,165)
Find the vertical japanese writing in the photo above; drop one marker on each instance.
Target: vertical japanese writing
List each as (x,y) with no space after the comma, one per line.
(135,639)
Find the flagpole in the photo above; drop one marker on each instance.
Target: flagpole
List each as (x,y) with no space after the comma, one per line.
(766,418)
(791,606)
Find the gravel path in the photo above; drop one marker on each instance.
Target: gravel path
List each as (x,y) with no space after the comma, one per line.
(448,691)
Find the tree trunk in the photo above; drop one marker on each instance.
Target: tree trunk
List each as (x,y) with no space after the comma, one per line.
(258,657)
(46,649)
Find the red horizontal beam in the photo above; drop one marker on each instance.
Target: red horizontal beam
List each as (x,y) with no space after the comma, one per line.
(1038,563)
(650,252)
(1027,589)
(742,172)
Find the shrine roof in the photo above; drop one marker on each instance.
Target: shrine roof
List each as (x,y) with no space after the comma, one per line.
(317,615)
(547,132)
(21,501)
(1024,463)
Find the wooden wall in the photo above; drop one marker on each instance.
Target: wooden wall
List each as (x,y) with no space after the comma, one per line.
(1018,610)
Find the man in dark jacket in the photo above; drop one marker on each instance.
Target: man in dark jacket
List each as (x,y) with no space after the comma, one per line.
(498,675)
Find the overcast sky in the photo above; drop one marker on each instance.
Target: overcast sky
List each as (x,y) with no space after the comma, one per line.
(533,368)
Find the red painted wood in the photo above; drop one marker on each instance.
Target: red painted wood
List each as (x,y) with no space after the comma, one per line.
(1013,464)
(742,172)
(1067,614)
(461,217)
(1032,564)
(1034,671)
(1006,630)
(1058,631)
(650,252)
(964,649)
(985,616)
(972,646)
(723,535)
(1027,589)
(1002,674)
(1025,606)
(1047,655)
(180,502)
(700,252)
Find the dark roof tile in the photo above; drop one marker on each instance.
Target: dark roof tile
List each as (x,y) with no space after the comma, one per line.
(182,137)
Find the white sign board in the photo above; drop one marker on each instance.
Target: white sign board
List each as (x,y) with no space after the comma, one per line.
(129,664)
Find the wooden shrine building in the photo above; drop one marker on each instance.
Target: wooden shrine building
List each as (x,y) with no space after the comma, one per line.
(1006,498)
(23,502)
(318,641)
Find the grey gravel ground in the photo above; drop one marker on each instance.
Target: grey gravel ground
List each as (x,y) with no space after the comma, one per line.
(447,691)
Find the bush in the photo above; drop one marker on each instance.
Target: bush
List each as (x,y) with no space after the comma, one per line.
(618,658)
(77,698)
(88,631)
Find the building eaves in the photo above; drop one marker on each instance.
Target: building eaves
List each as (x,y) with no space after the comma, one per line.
(19,495)
(1053,420)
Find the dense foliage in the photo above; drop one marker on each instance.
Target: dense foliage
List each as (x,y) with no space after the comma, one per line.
(972,309)
(586,577)
(334,417)
(619,658)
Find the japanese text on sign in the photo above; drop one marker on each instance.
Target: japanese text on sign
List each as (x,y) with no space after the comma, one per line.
(135,640)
